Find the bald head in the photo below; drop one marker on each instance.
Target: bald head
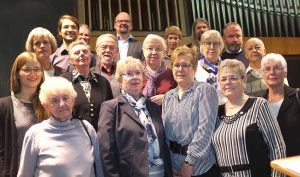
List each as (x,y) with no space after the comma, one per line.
(123,24)
(254,50)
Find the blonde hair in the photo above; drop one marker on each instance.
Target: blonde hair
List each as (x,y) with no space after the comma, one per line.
(40,32)
(188,52)
(125,63)
(233,64)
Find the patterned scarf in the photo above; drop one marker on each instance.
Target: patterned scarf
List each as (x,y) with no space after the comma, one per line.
(139,107)
(150,89)
(212,70)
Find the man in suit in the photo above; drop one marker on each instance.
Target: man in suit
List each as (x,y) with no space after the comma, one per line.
(128,46)
(233,40)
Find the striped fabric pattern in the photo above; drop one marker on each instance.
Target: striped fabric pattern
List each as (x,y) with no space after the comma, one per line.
(191,120)
(230,143)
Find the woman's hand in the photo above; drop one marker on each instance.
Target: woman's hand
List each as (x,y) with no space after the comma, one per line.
(158,99)
(186,170)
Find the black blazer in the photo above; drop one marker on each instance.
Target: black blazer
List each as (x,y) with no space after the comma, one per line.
(123,139)
(101,91)
(134,49)
(289,120)
(8,139)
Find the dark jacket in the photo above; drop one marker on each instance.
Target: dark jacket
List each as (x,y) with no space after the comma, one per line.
(123,140)
(289,120)
(134,49)
(8,139)
(100,92)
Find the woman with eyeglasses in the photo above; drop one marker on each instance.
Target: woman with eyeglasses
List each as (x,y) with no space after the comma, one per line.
(92,89)
(19,111)
(62,145)
(247,136)
(42,42)
(284,100)
(211,47)
(131,133)
(159,79)
(189,113)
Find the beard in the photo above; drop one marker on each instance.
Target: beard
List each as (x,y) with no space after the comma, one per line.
(234,48)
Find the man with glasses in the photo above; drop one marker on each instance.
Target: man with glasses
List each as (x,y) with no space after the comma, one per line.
(233,40)
(107,52)
(128,46)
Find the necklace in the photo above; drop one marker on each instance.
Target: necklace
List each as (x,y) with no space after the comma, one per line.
(237,105)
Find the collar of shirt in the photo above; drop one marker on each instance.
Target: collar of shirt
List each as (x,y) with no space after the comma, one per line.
(258,74)
(191,88)
(77,77)
(112,70)
(129,38)
(61,50)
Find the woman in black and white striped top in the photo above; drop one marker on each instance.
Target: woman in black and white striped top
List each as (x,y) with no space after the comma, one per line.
(247,135)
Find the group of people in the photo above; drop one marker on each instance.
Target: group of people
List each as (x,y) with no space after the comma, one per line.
(157,108)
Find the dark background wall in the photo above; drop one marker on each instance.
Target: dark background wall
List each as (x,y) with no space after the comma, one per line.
(17,19)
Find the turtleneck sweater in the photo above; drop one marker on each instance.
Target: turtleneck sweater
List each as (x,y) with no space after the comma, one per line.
(54,148)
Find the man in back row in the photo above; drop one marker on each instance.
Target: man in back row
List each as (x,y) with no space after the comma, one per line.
(233,41)
(128,46)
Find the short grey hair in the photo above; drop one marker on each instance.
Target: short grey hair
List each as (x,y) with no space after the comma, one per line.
(107,35)
(53,85)
(151,37)
(233,64)
(40,32)
(212,34)
(274,57)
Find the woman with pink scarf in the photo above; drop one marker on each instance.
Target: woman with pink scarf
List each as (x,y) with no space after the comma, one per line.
(159,79)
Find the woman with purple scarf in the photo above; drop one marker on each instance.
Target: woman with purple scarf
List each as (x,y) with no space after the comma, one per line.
(159,79)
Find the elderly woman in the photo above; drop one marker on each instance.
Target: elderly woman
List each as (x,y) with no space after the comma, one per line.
(159,79)
(42,42)
(131,133)
(92,89)
(19,111)
(55,146)
(247,135)
(189,115)
(173,37)
(284,101)
(211,46)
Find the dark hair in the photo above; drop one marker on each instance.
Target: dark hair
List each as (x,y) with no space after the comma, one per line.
(59,24)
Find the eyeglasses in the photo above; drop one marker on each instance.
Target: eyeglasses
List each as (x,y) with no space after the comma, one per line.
(78,52)
(123,21)
(214,44)
(56,100)
(183,66)
(29,70)
(232,79)
(132,74)
(154,49)
(276,68)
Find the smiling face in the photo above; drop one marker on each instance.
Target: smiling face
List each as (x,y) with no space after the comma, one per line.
(131,80)
(30,75)
(42,47)
(80,56)
(232,84)
(68,31)
(60,105)
(211,50)
(107,50)
(123,24)
(273,73)
(153,53)
(84,34)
